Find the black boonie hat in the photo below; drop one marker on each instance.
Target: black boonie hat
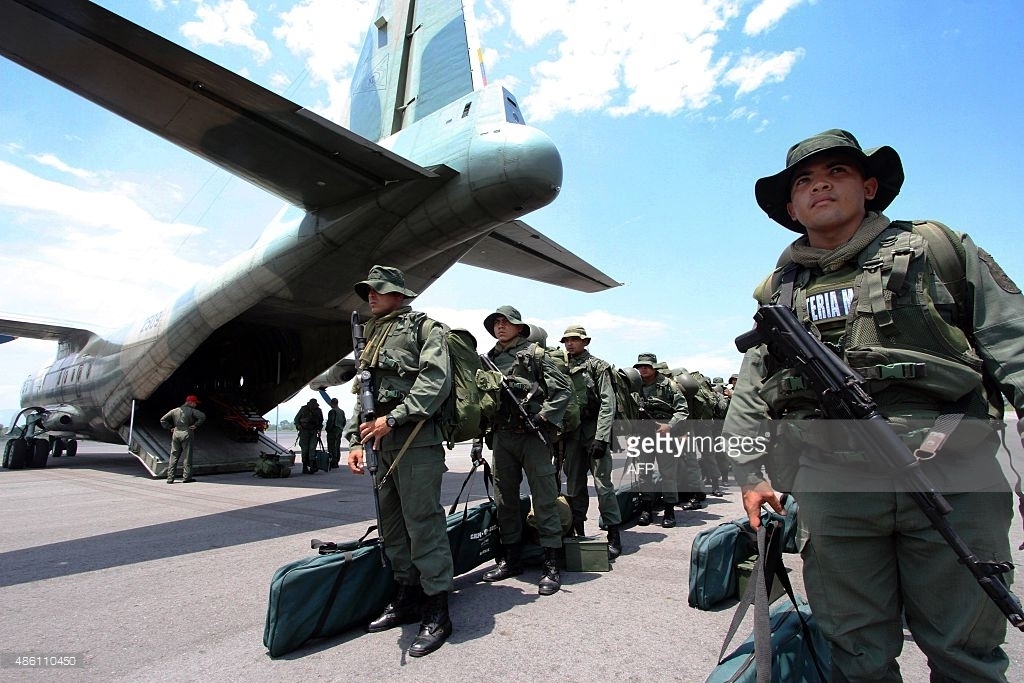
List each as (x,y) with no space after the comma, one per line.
(882,163)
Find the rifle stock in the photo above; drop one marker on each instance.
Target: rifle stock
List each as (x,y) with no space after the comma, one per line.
(843,396)
(367,413)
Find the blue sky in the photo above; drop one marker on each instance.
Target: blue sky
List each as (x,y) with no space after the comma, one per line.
(665,114)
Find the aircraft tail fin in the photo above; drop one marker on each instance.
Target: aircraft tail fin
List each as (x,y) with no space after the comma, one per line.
(418,56)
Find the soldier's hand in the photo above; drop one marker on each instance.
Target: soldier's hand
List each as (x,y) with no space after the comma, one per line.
(598,449)
(664,428)
(355,460)
(374,430)
(755,496)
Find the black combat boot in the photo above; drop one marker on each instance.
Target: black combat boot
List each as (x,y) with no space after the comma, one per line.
(614,542)
(551,580)
(435,626)
(403,609)
(510,565)
(645,514)
(577,528)
(669,520)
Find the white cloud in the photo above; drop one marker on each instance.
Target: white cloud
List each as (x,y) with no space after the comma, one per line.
(766,15)
(661,57)
(52,161)
(753,71)
(228,23)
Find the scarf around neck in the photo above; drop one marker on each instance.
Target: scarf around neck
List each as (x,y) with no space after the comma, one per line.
(830,260)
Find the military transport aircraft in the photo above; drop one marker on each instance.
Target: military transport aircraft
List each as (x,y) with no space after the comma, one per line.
(436,170)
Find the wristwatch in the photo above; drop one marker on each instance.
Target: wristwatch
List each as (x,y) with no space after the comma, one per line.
(391,422)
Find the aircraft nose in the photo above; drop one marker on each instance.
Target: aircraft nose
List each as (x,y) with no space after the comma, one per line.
(514,170)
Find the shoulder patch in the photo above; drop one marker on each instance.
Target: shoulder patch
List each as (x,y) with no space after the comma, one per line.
(998,274)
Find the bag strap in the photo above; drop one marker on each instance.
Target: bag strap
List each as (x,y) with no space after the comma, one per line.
(405,447)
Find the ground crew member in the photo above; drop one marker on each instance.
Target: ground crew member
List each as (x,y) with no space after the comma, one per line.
(588,448)
(872,289)
(335,426)
(309,421)
(182,422)
(516,447)
(407,355)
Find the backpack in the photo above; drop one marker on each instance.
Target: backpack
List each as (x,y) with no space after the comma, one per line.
(577,384)
(269,466)
(626,382)
(466,405)
(700,397)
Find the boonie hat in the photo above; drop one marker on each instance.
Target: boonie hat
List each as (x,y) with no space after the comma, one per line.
(575,331)
(882,163)
(510,314)
(646,359)
(384,280)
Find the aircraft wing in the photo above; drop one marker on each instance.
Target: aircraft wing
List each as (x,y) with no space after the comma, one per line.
(196,104)
(74,337)
(517,249)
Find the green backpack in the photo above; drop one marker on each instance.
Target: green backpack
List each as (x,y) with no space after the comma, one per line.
(627,384)
(467,404)
(577,382)
(700,397)
(269,466)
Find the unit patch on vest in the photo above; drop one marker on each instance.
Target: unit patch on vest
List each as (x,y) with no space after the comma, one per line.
(830,305)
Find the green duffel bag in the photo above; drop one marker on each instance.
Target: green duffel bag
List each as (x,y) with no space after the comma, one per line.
(473,532)
(324,595)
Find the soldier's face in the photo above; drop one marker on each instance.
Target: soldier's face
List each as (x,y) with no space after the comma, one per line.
(505,331)
(646,373)
(382,304)
(827,198)
(574,345)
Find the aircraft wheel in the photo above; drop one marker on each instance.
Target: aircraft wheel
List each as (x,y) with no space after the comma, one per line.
(71,448)
(56,447)
(8,447)
(19,453)
(40,452)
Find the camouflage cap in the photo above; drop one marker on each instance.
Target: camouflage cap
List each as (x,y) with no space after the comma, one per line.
(646,359)
(510,314)
(575,331)
(384,280)
(882,163)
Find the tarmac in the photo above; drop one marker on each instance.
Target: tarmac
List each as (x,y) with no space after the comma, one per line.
(141,581)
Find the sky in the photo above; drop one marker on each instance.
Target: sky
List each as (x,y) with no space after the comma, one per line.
(665,114)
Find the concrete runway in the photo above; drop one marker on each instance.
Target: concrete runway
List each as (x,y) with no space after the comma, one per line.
(149,582)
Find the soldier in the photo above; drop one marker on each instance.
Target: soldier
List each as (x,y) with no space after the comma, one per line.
(407,354)
(335,426)
(588,448)
(182,422)
(661,403)
(546,393)
(871,288)
(309,421)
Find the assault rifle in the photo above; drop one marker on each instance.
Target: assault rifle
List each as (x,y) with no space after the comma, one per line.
(843,396)
(527,418)
(367,413)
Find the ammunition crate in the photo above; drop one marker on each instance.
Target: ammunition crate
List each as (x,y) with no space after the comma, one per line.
(744,572)
(586,554)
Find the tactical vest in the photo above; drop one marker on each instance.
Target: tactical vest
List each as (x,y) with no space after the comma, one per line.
(393,360)
(891,318)
(657,399)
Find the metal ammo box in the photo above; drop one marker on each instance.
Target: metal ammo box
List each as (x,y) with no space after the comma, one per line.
(586,554)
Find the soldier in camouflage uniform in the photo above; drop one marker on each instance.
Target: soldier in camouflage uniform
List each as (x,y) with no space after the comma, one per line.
(407,354)
(871,289)
(309,421)
(546,392)
(588,448)
(661,403)
(182,422)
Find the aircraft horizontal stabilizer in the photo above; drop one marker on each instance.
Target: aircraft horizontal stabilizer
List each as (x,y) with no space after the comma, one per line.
(196,104)
(517,249)
(74,337)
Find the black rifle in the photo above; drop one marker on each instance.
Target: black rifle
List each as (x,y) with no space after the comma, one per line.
(527,418)
(367,413)
(843,396)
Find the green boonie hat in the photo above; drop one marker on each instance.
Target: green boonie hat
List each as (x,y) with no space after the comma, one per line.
(510,314)
(882,163)
(384,280)
(575,331)
(646,359)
